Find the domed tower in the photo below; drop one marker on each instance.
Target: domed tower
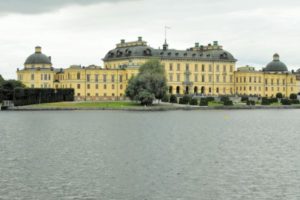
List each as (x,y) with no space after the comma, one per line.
(276,65)
(38,60)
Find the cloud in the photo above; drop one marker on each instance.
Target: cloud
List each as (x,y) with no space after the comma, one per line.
(41,6)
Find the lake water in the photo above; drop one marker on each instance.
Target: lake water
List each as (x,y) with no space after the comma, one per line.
(176,155)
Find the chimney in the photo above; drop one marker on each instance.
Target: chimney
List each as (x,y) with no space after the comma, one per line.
(140,39)
(38,49)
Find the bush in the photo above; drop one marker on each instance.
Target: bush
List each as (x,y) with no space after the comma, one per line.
(250,103)
(173,99)
(224,99)
(146,98)
(265,101)
(295,101)
(228,103)
(204,102)
(209,99)
(273,100)
(279,95)
(285,102)
(185,99)
(193,102)
(293,96)
(244,99)
(165,98)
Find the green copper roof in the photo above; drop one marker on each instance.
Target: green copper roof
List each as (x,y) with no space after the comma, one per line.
(147,51)
(276,65)
(38,58)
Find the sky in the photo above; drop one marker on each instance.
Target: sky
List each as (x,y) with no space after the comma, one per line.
(83,31)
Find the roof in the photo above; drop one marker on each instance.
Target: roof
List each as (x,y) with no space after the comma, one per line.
(141,50)
(38,58)
(276,65)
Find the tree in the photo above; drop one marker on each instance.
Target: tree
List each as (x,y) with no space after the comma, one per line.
(293,96)
(1,80)
(151,79)
(279,95)
(11,85)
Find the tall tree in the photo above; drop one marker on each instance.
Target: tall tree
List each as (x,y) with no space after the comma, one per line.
(1,80)
(149,84)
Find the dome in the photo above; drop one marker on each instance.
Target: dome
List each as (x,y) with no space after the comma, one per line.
(38,58)
(135,51)
(276,65)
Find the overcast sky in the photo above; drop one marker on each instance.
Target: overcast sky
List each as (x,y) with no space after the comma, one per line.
(82,31)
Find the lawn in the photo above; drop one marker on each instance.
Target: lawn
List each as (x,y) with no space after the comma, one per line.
(214,104)
(110,104)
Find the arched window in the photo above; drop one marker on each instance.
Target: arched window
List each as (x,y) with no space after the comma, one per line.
(177,90)
(170,90)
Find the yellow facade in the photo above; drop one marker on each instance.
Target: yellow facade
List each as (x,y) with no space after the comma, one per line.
(205,70)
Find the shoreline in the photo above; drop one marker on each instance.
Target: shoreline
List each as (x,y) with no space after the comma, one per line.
(153,108)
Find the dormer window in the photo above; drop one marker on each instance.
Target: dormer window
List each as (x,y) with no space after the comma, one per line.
(169,54)
(161,53)
(176,54)
(185,54)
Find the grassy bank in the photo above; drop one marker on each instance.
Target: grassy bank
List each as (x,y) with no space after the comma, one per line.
(111,104)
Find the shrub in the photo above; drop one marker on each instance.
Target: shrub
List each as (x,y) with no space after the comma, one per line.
(293,96)
(146,98)
(193,102)
(224,99)
(244,99)
(209,99)
(173,99)
(204,102)
(295,101)
(279,95)
(285,102)
(265,101)
(185,99)
(250,103)
(165,98)
(228,103)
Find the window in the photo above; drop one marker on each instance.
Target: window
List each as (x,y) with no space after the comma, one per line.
(97,78)
(49,77)
(171,67)
(104,78)
(104,86)
(224,68)
(88,86)
(113,78)
(203,78)
(78,86)
(178,77)
(78,94)
(178,67)
(231,78)
(78,75)
(121,87)
(237,80)
(88,77)
(196,77)
(231,68)
(113,94)
(217,90)
(120,78)
(32,77)
(203,68)
(218,68)
(88,94)
(224,78)
(210,68)
(196,67)
(170,77)
(42,77)
(218,78)
(113,86)
(97,86)
(250,79)
(187,67)
(210,78)
(45,77)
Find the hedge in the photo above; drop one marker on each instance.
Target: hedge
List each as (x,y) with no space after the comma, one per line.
(36,96)
(203,102)
(193,102)
(285,102)
(173,99)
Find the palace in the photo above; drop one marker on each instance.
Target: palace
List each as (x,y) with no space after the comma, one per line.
(202,69)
